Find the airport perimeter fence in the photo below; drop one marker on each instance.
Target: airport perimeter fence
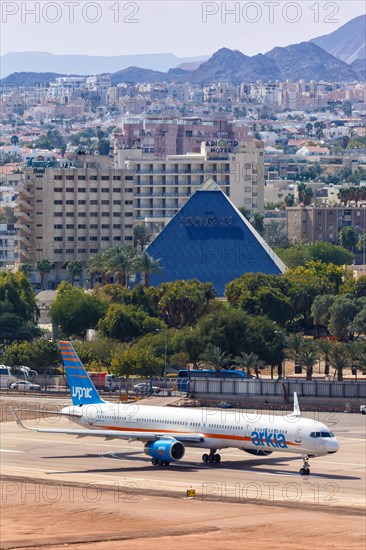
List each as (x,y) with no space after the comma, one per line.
(265,388)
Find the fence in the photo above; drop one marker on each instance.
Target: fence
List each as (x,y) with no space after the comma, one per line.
(263,388)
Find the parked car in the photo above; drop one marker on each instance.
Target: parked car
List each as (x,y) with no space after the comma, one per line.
(146,388)
(363,409)
(24,385)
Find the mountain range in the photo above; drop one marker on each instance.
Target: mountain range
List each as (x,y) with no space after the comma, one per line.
(318,59)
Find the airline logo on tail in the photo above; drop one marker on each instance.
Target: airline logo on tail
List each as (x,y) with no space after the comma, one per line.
(81,392)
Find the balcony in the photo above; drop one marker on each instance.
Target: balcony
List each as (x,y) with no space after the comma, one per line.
(24,228)
(24,205)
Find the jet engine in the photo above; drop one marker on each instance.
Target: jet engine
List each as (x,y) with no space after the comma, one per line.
(165,449)
(257,452)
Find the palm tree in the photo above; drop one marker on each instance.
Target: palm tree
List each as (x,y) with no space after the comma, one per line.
(339,360)
(44,267)
(98,265)
(249,361)
(147,266)
(74,269)
(308,357)
(141,235)
(324,348)
(121,261)
(294,345)
(354,350)
(217,358)
(26,269)
(361,362)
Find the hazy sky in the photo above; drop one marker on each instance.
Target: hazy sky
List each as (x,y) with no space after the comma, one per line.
(185,28)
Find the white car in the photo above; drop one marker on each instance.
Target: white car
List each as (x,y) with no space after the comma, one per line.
(145,387)
(24,385)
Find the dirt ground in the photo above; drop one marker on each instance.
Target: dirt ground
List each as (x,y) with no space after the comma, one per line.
(37,516)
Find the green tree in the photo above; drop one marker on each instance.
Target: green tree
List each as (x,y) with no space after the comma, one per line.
(320,309)
(142,362)
(216,358)
(26,269)
(294,346)
(339,360)
(14,140)
(258,222)
(44,267)
(75,310)
(127,322)
(74,269)
(348,237)
(181,303)
(324,346)
(308,357)
(97,265)
(121,261)
(275,234)
(342,314)
(147,265)
(249,362)
(141,235)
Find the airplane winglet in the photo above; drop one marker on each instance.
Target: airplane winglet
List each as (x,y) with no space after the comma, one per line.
(296,411)
(17,419)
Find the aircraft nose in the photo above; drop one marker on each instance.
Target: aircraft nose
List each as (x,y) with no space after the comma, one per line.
(332,446)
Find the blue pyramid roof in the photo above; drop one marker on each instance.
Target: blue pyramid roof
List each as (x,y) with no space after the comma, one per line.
(210,240)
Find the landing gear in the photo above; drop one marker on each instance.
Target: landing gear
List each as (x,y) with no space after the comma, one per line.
(212,457)
(305,470)
(157,462)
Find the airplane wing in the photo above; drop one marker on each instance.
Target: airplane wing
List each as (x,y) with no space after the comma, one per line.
(112,434)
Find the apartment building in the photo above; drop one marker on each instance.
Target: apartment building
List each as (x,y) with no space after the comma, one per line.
(8,253)
(73,212)
(323,223)
(162,186)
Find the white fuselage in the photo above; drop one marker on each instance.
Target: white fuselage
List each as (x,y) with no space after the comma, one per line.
(220,429)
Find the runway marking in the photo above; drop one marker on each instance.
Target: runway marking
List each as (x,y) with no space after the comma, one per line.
(9,451)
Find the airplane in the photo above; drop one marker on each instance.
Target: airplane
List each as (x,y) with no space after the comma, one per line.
(166,431)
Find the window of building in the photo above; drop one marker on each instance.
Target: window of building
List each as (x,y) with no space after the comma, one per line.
(58,178)
(93,214)
(69,189)
(105,202)
(105,190)
(81,202)
(69,177)
(105,214)
(82,190)
(128,214)
(57,202)
(116,190)
(56,214)
(94,189)
(93,202)
(128,202)
(104,238)
(93,250)
(116,238)
(56,189)
(58,238)
(82,214)
(117,202)
(116,178)
(93,226)
(69,251)
(129,190)
(81,226)
(93,178)
(70,226)
(69,214)
(105,178)
(128,226)
(58,226)
(70,239)
(129,178)
(116,214)
(93,238)
(116,226)
(81,178)
(39,225)
(81,238)
(69,202)
(105,226)
(81,250)
(58,250)
(128,238)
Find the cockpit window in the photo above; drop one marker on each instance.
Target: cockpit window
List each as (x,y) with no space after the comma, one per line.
(322,434)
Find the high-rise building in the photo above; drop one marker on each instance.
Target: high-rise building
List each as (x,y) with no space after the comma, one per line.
(71,213)
(163,185)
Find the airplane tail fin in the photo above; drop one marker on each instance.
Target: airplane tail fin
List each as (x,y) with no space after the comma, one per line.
(296,411)
(82,389)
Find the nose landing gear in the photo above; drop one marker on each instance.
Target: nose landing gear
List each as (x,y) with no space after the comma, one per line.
(305,470)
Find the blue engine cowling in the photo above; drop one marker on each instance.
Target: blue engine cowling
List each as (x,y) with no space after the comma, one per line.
(165,449)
